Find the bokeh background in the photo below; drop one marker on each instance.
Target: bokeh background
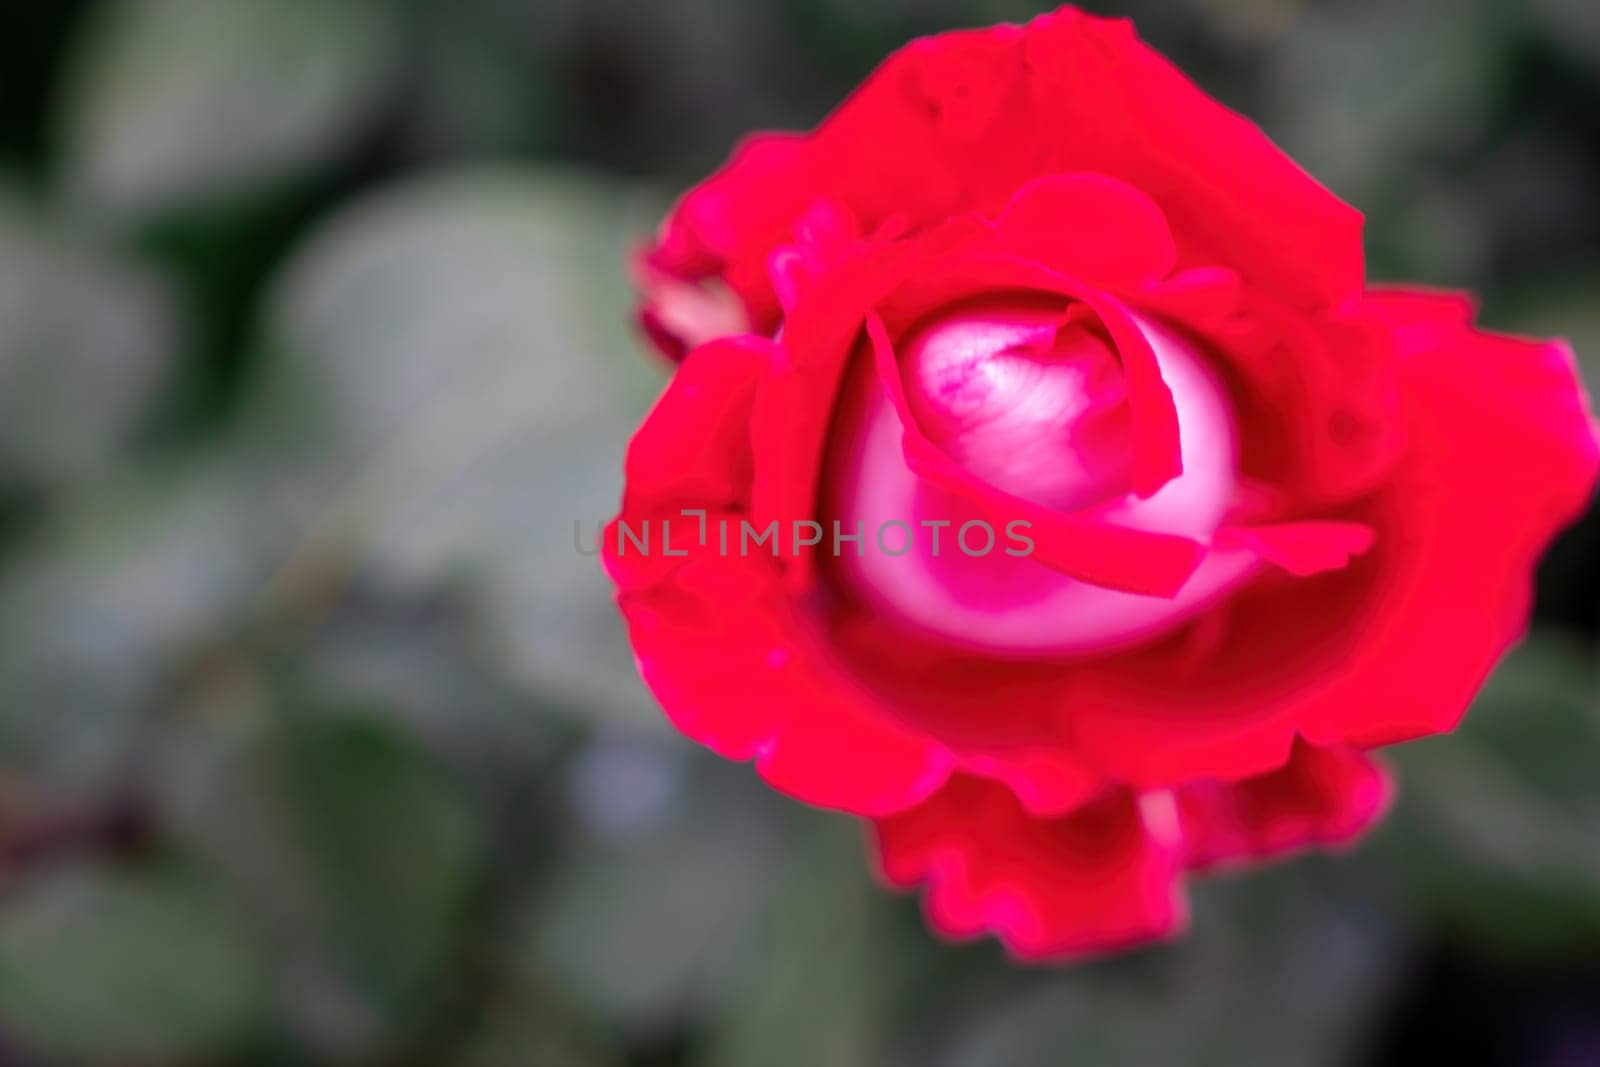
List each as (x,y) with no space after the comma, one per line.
(319,742)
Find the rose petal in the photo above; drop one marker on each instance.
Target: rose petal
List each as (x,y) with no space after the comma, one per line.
(960,122)
(1322,796)
(1301,548)
(1096,880)
(1090,226)
(1123,558)
(693,448)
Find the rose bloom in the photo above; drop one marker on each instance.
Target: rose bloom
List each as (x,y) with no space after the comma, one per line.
(1277,518)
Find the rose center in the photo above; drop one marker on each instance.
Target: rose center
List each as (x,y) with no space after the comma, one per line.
(1033,407)
(1034,402)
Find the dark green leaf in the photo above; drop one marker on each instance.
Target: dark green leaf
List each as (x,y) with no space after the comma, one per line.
(819,968)
(359,856)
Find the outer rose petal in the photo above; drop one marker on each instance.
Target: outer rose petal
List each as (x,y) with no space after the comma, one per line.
(1093,881)
(1092,227)
(729,225)
(1322,796)
(694,447)
(1231,196)
(1109,874)
(962,121)
(716,636)
(734,670)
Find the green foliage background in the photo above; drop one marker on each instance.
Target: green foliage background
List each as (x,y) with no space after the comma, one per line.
(318,745)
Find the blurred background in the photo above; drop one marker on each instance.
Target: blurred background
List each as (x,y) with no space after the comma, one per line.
(319,744)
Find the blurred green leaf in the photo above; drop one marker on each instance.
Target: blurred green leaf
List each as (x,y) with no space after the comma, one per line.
(644,923)
(357,854)
(86,340)
(1388,141)
(454,381)
(414,660)
(530,1022)
(178,104)
(105,604)
(817,978)
(1351,122)
(391,839)
(125,966)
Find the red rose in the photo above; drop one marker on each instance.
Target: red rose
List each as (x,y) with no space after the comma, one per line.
(1216,518)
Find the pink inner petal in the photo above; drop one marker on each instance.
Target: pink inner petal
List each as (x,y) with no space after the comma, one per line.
(1038,410)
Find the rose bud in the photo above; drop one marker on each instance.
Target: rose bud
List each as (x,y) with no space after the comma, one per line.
(1047,486)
